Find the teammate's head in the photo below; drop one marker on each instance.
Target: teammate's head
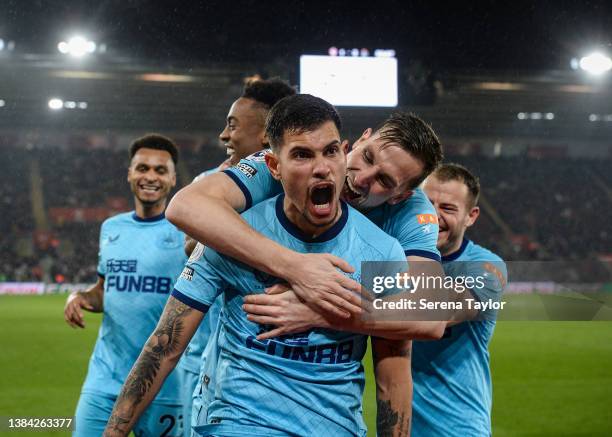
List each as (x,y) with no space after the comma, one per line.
(152,172)
(454,192)
(387,164)
(308,158)
(244,131)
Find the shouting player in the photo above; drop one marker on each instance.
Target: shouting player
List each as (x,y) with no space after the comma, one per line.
(310,384)
(384,170)
(141,255)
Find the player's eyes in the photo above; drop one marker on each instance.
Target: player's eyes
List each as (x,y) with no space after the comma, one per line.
(300,155)
(367,157)
(332,150)
(384,182)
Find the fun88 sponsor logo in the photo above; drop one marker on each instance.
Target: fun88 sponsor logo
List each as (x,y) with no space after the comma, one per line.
(139,284)
(331,353)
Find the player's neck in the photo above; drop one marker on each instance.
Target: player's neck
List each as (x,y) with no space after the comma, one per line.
(147,211)
(452,248)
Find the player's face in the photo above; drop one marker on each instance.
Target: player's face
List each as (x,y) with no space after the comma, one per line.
(311,167)
(244,132)
(151,176)
(379,173)
(455,213)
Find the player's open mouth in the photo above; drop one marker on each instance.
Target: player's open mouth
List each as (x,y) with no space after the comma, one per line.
(321,198)
(349,193)
(229,150)
(149,188)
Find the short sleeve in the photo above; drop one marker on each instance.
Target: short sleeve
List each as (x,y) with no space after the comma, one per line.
(201,280)
(101,261)
(415,225)
(253,178)
(490,278)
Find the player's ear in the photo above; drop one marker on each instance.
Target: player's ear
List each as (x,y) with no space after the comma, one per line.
(400,197)
(472,216)
(273,165)
(345,146)
(366,134)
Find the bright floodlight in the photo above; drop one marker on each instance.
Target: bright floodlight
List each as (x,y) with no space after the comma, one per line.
(596,63)
(77,46)
(56,104)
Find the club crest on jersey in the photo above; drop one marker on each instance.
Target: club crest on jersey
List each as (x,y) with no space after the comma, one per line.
(168,240)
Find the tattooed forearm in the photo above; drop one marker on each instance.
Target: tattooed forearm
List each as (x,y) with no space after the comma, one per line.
(389,422)
(165,343)
(386,418)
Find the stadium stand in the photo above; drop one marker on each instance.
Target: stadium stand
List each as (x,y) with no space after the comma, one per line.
(553,208)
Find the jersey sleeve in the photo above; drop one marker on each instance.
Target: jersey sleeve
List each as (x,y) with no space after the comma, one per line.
(253,178)
(101,269)
(201,281)
(490,278)
(416,228)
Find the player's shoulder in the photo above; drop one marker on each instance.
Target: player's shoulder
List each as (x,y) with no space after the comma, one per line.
(476,252)
(205,173)
(417,203)
(262,213)
(119,219)
(370,234)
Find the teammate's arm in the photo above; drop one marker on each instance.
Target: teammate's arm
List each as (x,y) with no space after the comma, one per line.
(158,358)
(207,211)
(393,376)
(290,315)
(91,300)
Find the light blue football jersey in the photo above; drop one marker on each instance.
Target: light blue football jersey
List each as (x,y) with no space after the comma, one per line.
(139,260)
(413,222)
(452,380)
(305,384)
(191,360)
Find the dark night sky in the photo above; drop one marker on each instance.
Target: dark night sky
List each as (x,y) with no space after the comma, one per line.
(486,34)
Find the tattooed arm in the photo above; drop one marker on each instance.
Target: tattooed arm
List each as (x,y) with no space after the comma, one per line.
(157,359)
(393,386)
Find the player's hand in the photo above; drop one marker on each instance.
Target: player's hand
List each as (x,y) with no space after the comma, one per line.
(317,279)
(73,313)
(284,310)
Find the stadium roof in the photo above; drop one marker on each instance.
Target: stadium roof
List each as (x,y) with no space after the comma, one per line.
(533,34)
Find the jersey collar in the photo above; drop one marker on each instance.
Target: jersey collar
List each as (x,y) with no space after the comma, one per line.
(150,219)
(299,234)
(453,256)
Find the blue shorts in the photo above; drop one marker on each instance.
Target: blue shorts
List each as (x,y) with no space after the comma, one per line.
(158,420)
(189,382)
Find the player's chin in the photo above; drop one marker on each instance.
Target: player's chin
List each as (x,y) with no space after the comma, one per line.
(148,198)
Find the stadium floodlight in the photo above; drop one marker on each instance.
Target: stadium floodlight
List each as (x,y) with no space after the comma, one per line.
(56,104)
(77,46)
(2,103)
(596,63)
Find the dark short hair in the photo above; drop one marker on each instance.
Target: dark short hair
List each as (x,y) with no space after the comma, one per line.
(416,137)
(266,92)
(457,172)
(157,142)
(298,114)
